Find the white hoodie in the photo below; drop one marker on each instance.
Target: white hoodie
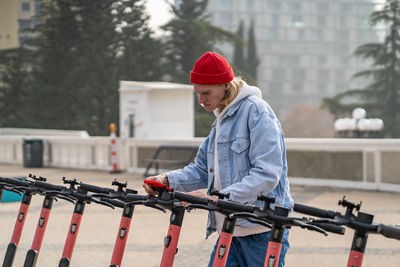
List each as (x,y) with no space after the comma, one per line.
(244,91)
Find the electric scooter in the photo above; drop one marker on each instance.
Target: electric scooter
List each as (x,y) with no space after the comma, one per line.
(110,196)
(82,198)
(362,224)
(166,200)
(276,219)
(18,186)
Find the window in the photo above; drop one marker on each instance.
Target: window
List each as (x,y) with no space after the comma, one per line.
(278,74)
(273,5)
(275,20)
(320,21)
(224,5)
(37,7)
(272,34)
(296,21)
(24,24)
(26,6)
(316,35)
(290,60)
(294,7)
(322,7)
(322,60)
(298,75)
(324,75)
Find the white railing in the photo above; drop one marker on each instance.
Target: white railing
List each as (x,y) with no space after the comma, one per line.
(380,158)
(376,166)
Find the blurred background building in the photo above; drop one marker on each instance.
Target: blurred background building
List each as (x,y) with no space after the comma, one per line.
(304,46)
(15,17)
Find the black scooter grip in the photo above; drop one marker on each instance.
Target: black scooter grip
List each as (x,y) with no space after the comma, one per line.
(16,182)
(134,197)
(389,231)
(94,188)
(301,208)
(336,229)
(234,206)
(48,186)
(191,199)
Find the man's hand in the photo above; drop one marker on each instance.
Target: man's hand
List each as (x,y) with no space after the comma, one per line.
(161,178)
(201,194)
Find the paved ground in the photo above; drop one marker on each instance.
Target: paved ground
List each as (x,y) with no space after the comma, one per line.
(145,244)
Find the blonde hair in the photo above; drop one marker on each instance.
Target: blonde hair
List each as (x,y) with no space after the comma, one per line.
(234,87)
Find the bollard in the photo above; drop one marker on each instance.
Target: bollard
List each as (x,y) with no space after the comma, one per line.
(114,150)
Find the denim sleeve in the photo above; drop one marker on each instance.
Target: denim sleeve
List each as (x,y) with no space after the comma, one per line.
(265,155)
(193,176)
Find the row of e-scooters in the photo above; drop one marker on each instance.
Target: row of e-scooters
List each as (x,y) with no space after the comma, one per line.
(277,218)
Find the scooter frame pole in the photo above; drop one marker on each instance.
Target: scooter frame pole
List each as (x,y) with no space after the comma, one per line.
(18,227)
(33,253)
(359,241)
(224,242)
(274,246)
(171,240)
(123,231)
(72,234)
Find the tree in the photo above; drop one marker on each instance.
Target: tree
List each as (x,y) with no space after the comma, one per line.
(56,73)
(381,98)
(14,87)
(190,35)
(252,60)
(238,53)
(140,56)
(84,49)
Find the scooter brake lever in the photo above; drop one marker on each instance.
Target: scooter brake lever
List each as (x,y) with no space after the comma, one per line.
(66,198)
(158,208)
(303,224)
(98,201)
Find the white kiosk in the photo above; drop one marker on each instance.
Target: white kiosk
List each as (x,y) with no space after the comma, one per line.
(156,110)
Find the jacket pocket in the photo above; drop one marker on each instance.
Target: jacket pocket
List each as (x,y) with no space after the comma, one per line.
(240,145)
(241,166)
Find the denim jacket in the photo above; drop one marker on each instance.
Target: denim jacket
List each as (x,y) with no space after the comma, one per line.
(251,157)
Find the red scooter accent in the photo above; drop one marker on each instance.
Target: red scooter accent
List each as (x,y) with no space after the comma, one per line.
(19,223)
(224,244)
(156,184)
(170,245)
(122,237)
(41,229)
(273,253)
(355,259)
(72,235)
(18,227)
(33,253)
(120,243)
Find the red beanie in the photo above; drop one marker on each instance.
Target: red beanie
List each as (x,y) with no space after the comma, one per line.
(211,68)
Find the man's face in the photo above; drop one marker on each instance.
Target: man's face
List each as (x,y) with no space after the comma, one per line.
(209,96)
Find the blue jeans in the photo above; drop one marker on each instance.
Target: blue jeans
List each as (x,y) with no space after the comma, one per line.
(251,250)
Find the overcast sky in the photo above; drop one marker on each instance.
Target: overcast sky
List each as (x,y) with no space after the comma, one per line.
(159,12)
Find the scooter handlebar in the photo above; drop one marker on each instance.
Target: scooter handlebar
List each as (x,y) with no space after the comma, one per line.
(48,186)
(301,208)
(191,199)
(389,231)
(234,206)
(336,229)
(95,188)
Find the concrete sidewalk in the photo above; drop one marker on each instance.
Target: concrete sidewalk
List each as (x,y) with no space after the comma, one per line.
(145,243)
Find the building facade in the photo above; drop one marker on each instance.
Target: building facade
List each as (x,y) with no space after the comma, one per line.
(304,46)
(15,17)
